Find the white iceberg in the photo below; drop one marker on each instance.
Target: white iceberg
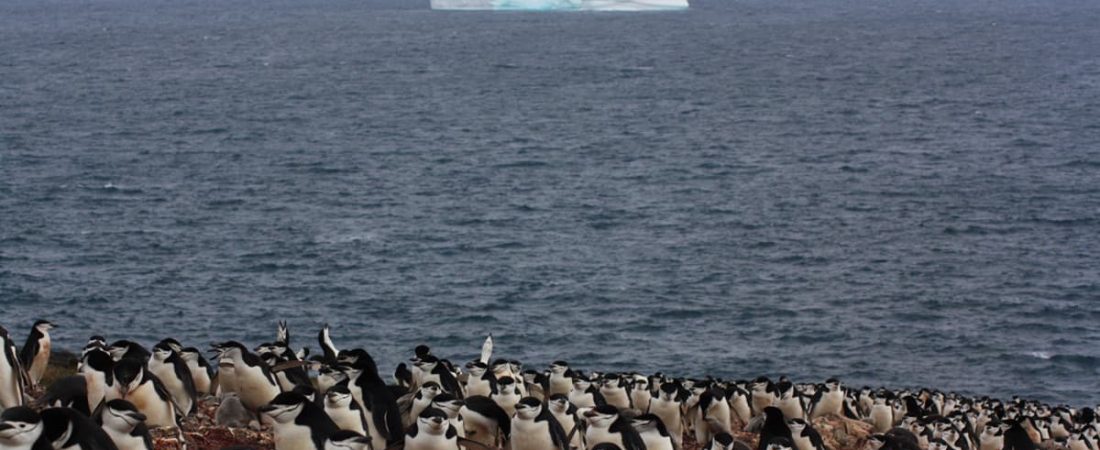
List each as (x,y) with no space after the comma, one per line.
(560,5)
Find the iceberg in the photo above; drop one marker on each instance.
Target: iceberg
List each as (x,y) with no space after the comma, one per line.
(560,5)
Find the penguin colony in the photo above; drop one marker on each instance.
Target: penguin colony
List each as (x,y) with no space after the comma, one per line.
(122,390)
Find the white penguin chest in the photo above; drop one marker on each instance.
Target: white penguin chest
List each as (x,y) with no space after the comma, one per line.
(289,436)
(531,435)
(427,441)
(600,435)
(669,412)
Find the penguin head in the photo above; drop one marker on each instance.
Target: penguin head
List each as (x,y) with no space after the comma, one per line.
(266,347)
(189,354)
(119,348)
(130,374)
(421,351)
(20,426)
(528,408)
(832,384)
(162,351)
(602,416)
(330,376)
(649,423)
(347,440)
(426,363)
(581,384)
(44,326)
(531,377)
(640,384)
(779,444)
(559,403)
(96,341)
(796,425)
(559,367)
(476,368)
(669,390)
(338,396)
(429,390)
(284,408)
(121,415)
(448,403)
(433,421)
(172,344)
(515,366)
(96,360)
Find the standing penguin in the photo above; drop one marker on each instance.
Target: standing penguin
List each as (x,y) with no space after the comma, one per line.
(566,414)
(561,379)
(202,373)
(376,400)
(125,425)
(480,381)
(35,355)
(763,395)
(507,395)
(614,391)
(771,426)
(739,400)
(606,426)
(829,399)
(535,428)
(432,370)
(881,415)
(11,373)
(712,415)
(253,380)
(653,432)
(486,422)
(788,399)
(432,431)
(173,372)
(640,395)
(145,391)
(297,423)
(804,436)
(344,411)
(668,407)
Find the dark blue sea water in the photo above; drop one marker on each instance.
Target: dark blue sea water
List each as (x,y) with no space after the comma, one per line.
(895,193)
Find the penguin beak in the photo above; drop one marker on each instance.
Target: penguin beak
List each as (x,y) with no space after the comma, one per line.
(137,416)
(5,427)
(266,409)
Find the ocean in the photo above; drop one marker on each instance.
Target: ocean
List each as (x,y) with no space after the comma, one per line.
(894,193)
